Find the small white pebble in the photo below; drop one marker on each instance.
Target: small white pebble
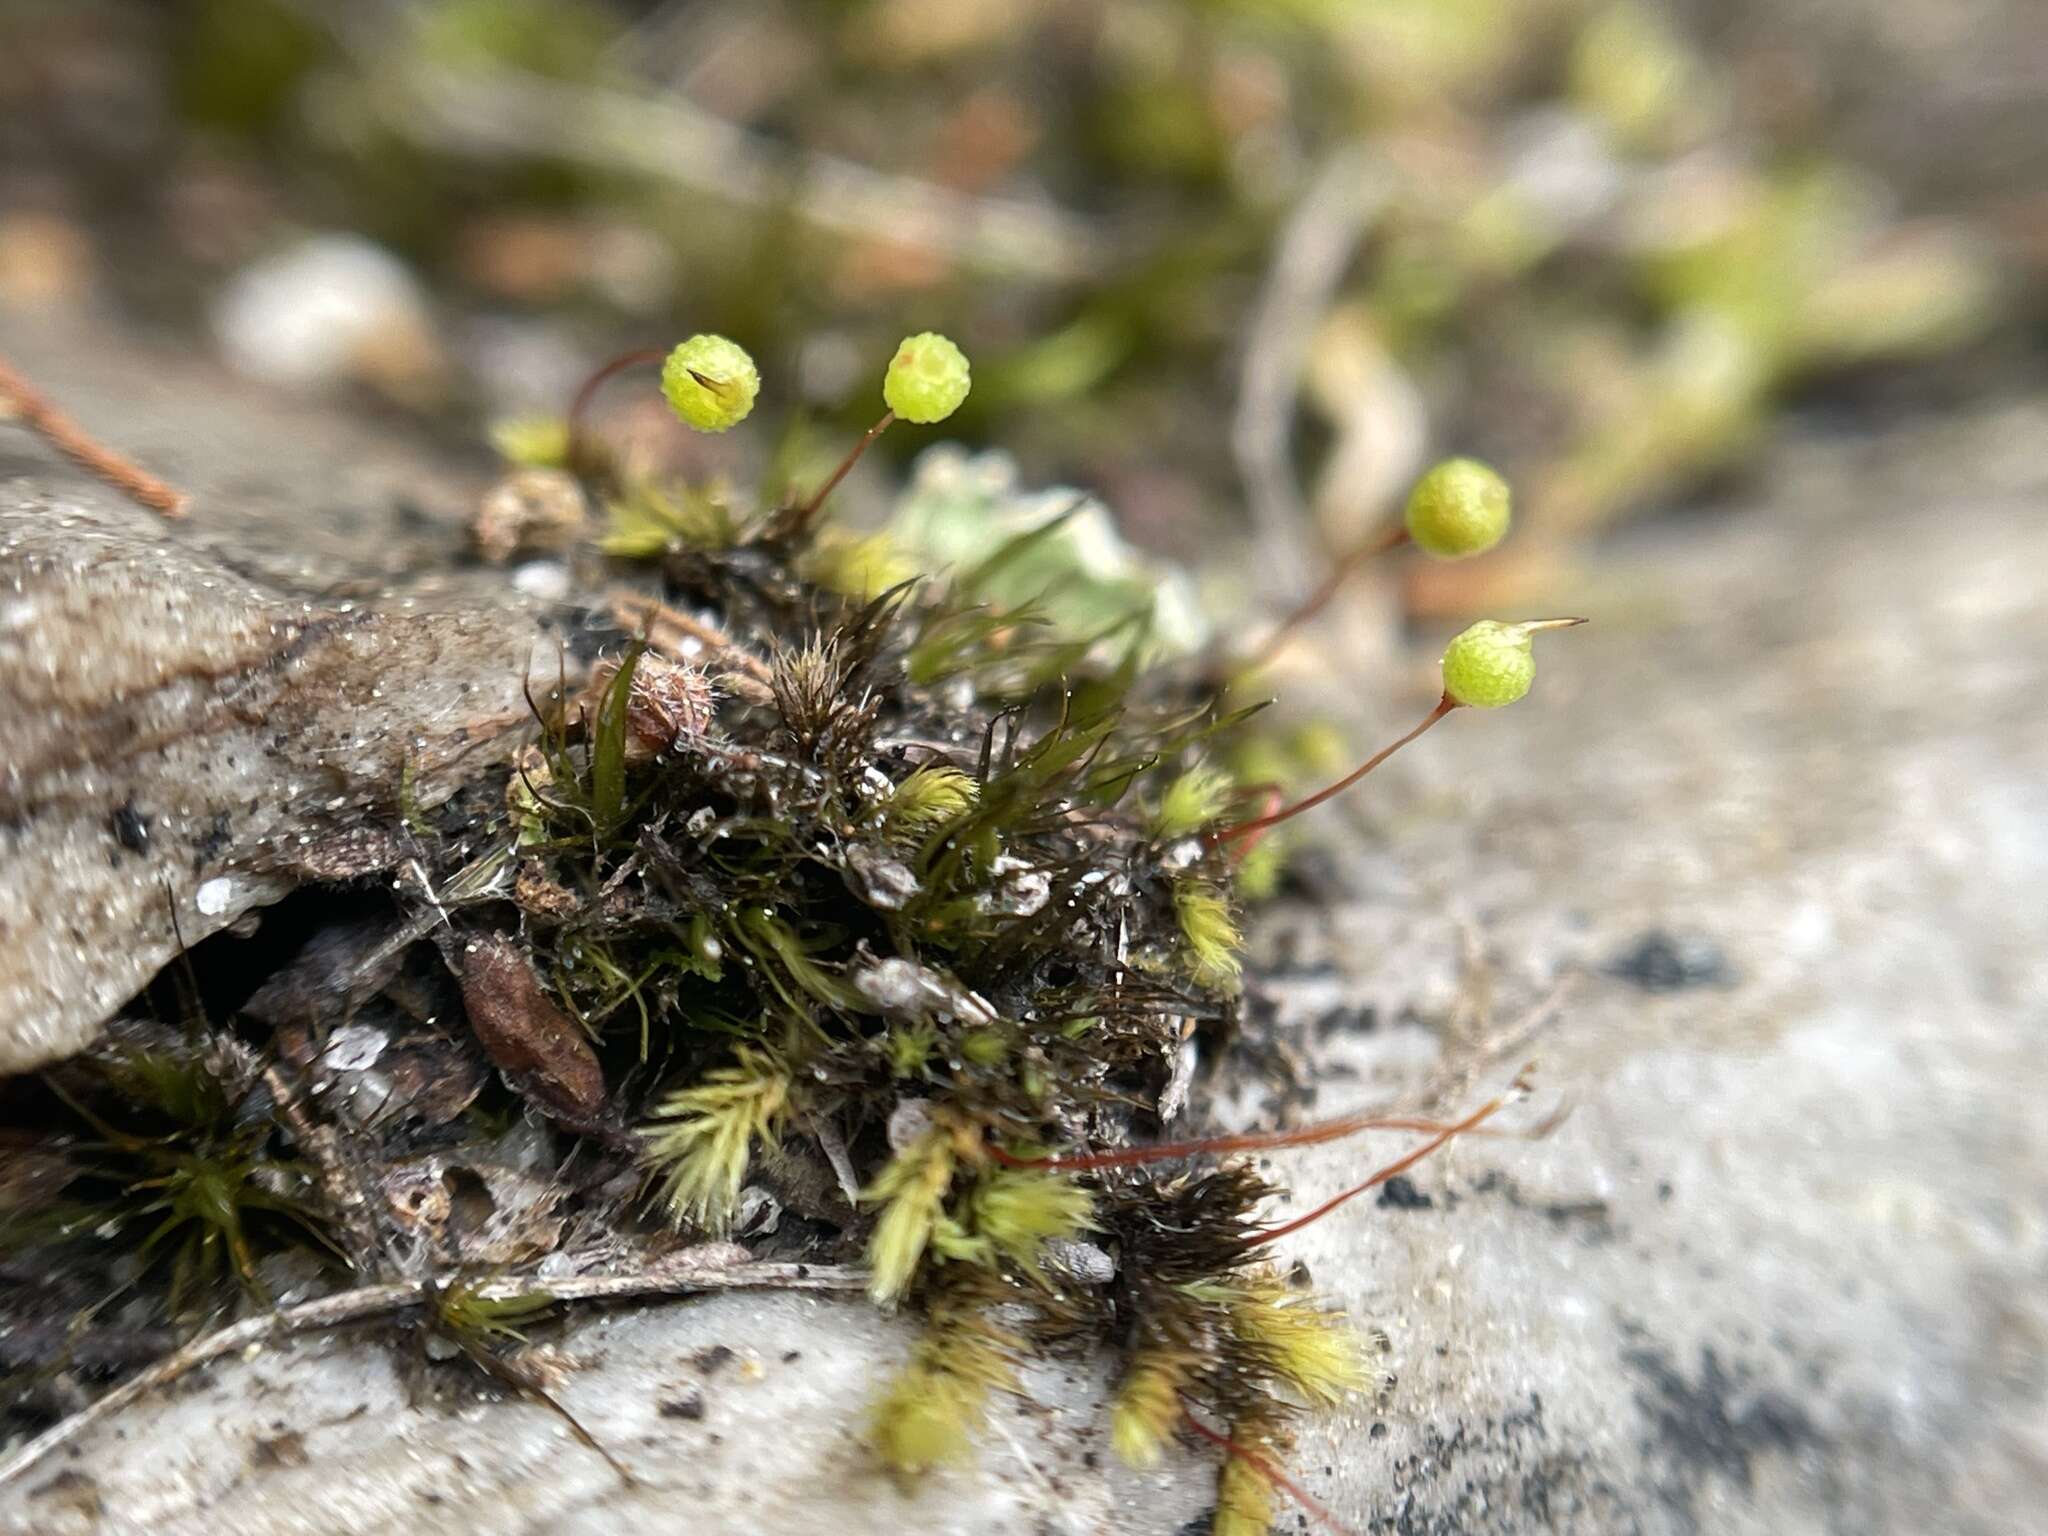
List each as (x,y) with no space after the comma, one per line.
(213,896)
(547,580)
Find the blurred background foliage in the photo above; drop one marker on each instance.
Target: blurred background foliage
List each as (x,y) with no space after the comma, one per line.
(1240,266)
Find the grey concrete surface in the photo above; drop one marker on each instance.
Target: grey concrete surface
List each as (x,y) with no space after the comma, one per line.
(1778,824)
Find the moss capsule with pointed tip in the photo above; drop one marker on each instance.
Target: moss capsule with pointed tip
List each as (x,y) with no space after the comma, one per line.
(927,378)
(710,382)
(1489,665)
(1460,508)
(1492,664)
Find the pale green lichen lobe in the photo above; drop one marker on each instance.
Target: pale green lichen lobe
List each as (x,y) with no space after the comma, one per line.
(1461,507)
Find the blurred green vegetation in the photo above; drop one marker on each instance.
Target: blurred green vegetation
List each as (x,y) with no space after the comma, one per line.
(1580,246)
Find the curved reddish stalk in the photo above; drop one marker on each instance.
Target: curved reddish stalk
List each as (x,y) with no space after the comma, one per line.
(1243,829)
(1319,599)
(1271,798)
(586,392)
(801,519)
(1265,1468)
(1399,1166)
(34,410)
(1244,1141)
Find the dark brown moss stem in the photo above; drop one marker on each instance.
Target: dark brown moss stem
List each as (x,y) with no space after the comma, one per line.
(1319,599)
(800,520)
(1243,1141)
(35,410)
(1398,1166)
(1244,829)
(586,393)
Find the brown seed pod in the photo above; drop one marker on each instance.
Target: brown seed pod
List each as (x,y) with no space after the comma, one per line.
(526,1036)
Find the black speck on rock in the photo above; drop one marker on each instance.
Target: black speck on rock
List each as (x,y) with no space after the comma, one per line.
(131,828)
(1665,962)
(1716,1424)
(1399,1193)
(689,1405)
(219,834)
(1497,1477)
(713,1359)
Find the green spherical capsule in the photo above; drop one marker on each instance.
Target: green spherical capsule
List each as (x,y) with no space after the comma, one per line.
(1461,507)
(711,383)
(1489,665)
(927,378)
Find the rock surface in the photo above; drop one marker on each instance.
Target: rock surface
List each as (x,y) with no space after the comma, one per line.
(194,710)
(1778,824)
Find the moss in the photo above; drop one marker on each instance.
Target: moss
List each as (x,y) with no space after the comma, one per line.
(1314,1352)
(1192,801)
(934,1409)
(1209,932)
(1147,1404)
(911,1192)
(699,1139)
(929,798)
(166,1156)
(1016,1210)
(892,883)
(1245,1496)
(644,521)
(532,442)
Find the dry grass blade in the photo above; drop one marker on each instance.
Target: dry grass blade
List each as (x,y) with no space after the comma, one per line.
(716,1267)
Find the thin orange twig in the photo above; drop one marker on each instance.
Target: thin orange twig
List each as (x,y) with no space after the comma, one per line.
(1398,1166)
(586,393)
(806,513)
(40,415)
(1318,600)
(1241,1141)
